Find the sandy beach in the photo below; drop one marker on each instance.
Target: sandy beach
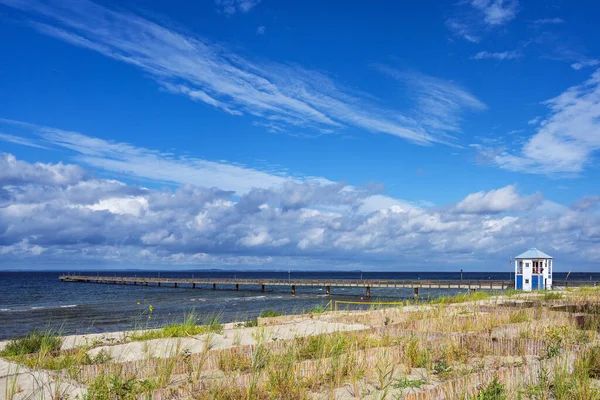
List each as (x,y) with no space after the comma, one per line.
(419,351)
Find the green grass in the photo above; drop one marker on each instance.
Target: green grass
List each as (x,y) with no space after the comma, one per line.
(552,296)
(460,298)
(115,387)
(316,310)
(188,327)
(35,342)
(264,314)
(495,390)
(403,383)
(270,314)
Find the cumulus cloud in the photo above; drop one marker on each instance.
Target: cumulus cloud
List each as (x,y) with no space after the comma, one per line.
(16,172)
(566,139)
(87,220)
(497,201)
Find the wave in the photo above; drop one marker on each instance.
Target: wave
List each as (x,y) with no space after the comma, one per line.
(37,308)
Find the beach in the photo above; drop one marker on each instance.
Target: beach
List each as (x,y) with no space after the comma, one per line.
(447,349)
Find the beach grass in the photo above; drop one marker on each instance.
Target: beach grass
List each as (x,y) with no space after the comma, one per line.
(189,327)
(35,341)
(463,346)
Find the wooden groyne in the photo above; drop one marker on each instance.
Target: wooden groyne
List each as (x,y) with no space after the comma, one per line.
(327,284)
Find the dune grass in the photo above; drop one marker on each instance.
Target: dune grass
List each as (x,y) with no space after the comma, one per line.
(35,342)
(401,352)
(460,298)
(189,327)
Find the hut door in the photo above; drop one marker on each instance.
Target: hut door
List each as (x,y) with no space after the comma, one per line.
(527,275)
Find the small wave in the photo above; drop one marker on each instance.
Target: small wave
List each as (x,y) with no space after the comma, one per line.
(5,309)
(69,306)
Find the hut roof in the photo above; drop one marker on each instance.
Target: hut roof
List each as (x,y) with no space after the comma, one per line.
(532,254)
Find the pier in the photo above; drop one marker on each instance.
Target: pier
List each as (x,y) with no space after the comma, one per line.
(326,284)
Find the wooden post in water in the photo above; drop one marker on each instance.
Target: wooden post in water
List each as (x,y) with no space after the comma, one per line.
(416,293)
(175,284)
(237,287)
(214,286)
(294,290)
(193,286)
(368,291)
(262,288)
(328,290)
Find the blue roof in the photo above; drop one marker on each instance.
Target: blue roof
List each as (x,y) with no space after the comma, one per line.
(533,253)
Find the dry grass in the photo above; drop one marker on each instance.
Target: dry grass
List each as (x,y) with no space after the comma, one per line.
(470,347)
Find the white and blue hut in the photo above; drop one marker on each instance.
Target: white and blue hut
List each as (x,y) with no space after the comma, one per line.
(533,270)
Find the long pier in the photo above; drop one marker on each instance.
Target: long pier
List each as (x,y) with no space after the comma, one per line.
(327,284)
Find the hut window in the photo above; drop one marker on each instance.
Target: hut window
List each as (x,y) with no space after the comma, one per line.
(520,268)
(526,280)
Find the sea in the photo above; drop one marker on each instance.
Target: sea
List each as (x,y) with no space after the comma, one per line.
(39,300)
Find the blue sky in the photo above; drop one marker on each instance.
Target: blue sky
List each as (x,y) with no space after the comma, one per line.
(298,134)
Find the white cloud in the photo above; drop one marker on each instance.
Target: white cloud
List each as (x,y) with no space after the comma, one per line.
(497,12)
(463,30)
(474,18)
(567,138)
(123,158)
(261,30)
(231,7)
(287,225)
(549,21)
(497,201)
(504,55)
(440,103)
(282,95)
(20,140)
(583,63)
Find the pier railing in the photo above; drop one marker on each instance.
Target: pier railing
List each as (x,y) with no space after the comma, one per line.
(367,284)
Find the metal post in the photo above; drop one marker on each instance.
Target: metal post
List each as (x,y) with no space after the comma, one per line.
(461,274)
